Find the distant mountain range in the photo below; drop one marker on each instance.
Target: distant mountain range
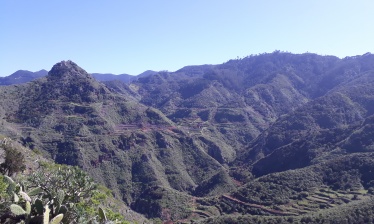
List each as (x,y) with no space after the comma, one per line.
(271,138)
(22,76)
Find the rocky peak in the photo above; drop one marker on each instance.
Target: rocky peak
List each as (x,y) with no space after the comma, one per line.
(67,81)
(68,68)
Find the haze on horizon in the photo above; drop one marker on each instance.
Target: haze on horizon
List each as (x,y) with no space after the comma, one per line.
(132,37)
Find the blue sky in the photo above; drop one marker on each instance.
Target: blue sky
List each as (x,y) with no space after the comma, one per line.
(118,36)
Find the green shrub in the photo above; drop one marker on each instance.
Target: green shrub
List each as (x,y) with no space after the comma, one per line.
(14,161)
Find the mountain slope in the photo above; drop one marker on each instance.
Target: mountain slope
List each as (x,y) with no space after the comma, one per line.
(236,101)
(315,129)
(268,135)
(309,110)
(132,148)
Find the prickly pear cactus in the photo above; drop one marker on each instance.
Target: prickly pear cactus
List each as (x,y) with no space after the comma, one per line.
(57,219)
(38,205)
(46,215)
(102,215)
(25,196)
(35,191)
(11,184)
(60,196)
(17,210)
(28,207)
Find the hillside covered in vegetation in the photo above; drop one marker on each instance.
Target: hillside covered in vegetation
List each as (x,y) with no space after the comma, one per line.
(270,138)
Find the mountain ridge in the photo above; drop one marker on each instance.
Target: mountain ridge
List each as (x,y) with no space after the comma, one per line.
(23,76)
(263,135)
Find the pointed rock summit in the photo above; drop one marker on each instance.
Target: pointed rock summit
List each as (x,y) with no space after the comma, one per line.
(68,68)
(69,82)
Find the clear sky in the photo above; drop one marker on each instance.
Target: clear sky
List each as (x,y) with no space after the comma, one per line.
(119,36)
